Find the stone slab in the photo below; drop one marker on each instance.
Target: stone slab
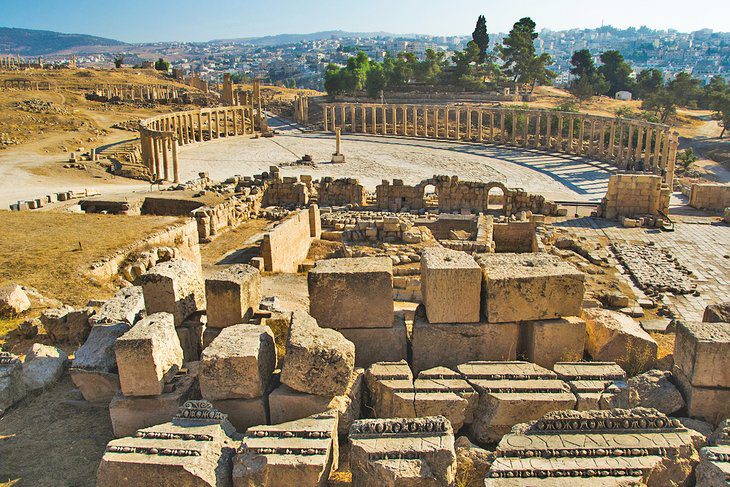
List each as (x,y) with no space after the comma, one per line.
(702,351)
(175,287)
(442,272)
(232,295)
(558,340)
(379,344)
(711,404)
(525,287)
(244,413)
(352,292)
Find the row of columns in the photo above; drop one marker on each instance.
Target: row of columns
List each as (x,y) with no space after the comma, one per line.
(141,92)
(301,109)
(159,137)
(630,144)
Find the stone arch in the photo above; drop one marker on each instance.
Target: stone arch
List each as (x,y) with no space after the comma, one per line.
(497,197)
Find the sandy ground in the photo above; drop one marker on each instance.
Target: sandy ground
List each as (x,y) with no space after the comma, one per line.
(374,158)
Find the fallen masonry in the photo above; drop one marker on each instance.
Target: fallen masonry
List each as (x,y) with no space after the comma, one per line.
(195,448)
(417,451)
(655,270)
(617,447)
(596,385)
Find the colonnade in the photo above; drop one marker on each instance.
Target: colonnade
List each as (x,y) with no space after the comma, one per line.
(138,92)
(629,144)
(161,135)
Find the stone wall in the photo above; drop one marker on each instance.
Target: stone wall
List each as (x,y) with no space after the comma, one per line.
(631,195)
(288,191)
(287,244)
(211,220)
(515,237)
(397,196)
(710,196)
(183,237)
(341,192)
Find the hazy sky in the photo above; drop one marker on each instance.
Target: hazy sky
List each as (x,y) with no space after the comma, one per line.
(200,20)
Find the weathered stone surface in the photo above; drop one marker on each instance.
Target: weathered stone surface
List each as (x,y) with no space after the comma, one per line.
(717,313)
(130,413)
(148,355)
(596,385)
(185,451)
(714,467)
(296,453)
(613,336)
(379,344)
(619,447)
(232,295)
(127,306)
(13,300)
(55,324)
(12,386)
(43,366)
(653,389)
(244,413)
(702,351)
(443,271)
(174,287)
(699,430)
(710,404)
(383,380)
(352,293)
(318,361)
(452,344)
(94,368)
(409,452)
(558,340)
(472,463)
(238,364)
(190,333)
(286,404)
(78,325)
(512,393)
(525,287)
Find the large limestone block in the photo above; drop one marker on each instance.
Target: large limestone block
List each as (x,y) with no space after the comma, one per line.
(318,360)
(238,364)
(654,389)
(232,295)
(711,404)
(286,404)
(13,300)
(613,336)
(175,287)
(714,467)
(379,344)
(43,366)
(525,287)
(148,355)
(604,448)
(127,306)
(512,393)
(12,386)
(384,381)
(402,451)
(203,448)
(297,453)
(94,367)
(352,293)
(552,341)
(452,344)
(445,272)
(702,351)
(717,313)
(130,413)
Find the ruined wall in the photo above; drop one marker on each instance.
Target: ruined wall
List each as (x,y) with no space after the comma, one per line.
(341,192)
(633,195)
(183,237)
(709,196)
(228,214)
(288,191)
(287,244)
(169,206)
(515,237)
(397,196)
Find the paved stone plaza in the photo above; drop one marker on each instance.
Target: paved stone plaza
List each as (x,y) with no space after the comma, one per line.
(373,158)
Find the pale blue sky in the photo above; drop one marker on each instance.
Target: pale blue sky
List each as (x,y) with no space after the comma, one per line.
(200,20)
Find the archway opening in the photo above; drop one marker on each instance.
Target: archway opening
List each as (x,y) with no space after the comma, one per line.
(495,200)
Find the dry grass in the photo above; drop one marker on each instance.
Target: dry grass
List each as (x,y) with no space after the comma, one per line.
(41,249)
(45,442)
(230,247)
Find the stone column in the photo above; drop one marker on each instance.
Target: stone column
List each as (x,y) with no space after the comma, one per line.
(394,119)
(333,119)
(591,143)
(363,116)
(457,136)
(571,131)
(612,141)
(384,117)
(657,149)
(165,147)
(491,126)
(537,129)
(480,125)
(549,130)
(405,120)
(436,122)
(629,145)
(446,122)
(647,149)
(468,114)
(602,139)
(156,156)
(210,125)
(620,146)
(425,120)
(175,164)
(514,127)
(639,143)
(325,109)
(343,115)
(374,112)
(673,144)
(559,141)
(581,136)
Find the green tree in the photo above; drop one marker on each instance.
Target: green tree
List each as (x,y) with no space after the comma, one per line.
(721,107)
(481,38)
(376,80)
(118,60)
(518,54)
(333,82)
(583,65)
(682,91)
(588,82)
(466,72)
(617,72)
(162,65)
(648,82)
